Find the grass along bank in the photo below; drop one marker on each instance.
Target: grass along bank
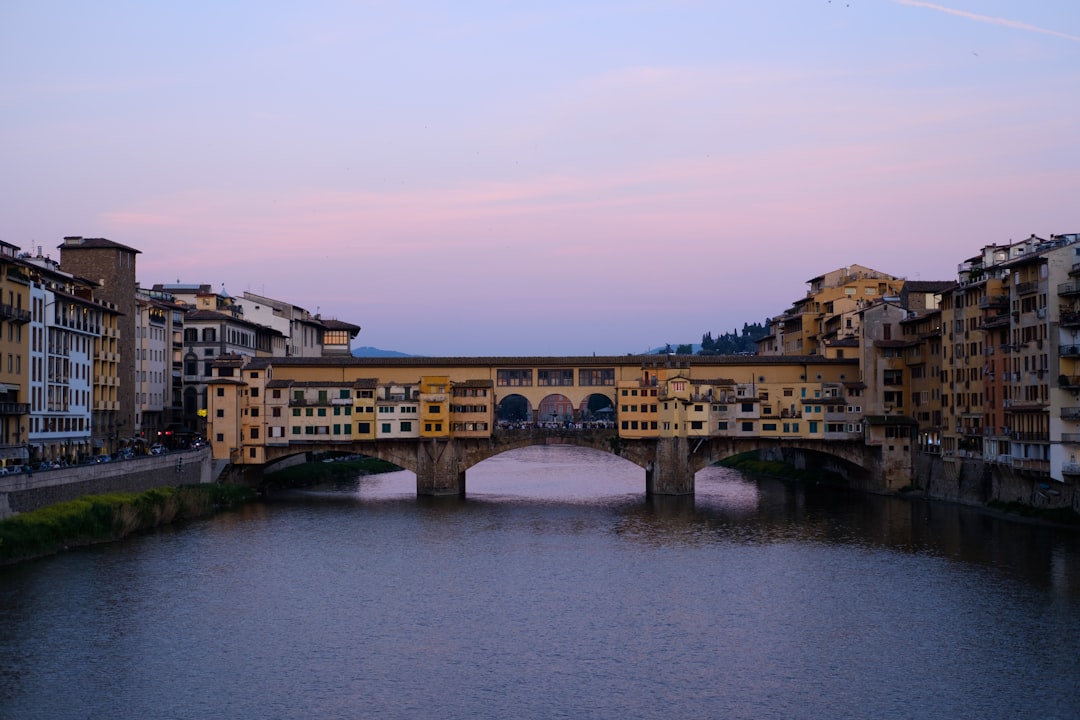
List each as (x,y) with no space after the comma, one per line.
(105,518)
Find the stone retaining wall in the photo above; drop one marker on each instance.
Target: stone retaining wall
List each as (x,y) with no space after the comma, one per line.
(24,492)
(974,482)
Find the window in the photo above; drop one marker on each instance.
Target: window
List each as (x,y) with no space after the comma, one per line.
(385,428)
(220,437)
(406,426)
(254,433)
(219,413)
(220,392)
(596,376)
(363,428)
(513,378)
(555,377)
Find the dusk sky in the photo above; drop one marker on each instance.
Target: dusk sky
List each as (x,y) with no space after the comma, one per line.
(525,178)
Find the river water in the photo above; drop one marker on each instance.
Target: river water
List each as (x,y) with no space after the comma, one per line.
(555,590)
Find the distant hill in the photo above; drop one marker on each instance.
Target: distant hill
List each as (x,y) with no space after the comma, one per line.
(376,352)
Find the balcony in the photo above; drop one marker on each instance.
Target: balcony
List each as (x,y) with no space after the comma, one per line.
(13,408)
(1070,469)
(1072,438)
(1069,351)
(994,301)
(994,321)
(1039,437)
(14,314)
(1026,288)
(1069,319)
(1069,382)
(1070,413)
(1041,467)
(1068,288)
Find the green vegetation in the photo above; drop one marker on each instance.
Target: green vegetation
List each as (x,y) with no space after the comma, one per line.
(103,518)
(1057,516)
(751,465)
(338,472)
(733,343)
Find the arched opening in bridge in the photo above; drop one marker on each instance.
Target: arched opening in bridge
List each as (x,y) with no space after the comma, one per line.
(513,409)
(555,411)
(797,464)
(597,408)
(557,473)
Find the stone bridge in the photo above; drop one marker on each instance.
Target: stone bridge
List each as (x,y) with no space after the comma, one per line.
(670,464)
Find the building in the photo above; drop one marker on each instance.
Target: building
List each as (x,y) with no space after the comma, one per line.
(73,380)
(112,267)
(14,356)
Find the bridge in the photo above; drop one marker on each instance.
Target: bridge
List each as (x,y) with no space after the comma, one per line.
(438,417)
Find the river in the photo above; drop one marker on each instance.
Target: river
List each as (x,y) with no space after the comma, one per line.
(555,590)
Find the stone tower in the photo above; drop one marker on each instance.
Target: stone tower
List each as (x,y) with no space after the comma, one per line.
(112,266)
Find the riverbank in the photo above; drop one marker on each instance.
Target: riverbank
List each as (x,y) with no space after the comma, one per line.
(105,518)
(1018,512)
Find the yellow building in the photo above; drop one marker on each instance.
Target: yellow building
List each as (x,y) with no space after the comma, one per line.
(472,408)
(434,406)
(14,357)
(829,312)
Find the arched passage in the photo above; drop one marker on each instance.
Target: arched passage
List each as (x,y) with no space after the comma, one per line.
(554,410)
(597,408)
(513,409)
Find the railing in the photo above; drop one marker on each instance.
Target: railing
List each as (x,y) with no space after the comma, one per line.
(1066,288)
(1030,464)
(1070,438)
(1025,288)
(10,312)
(1070,413)
(991,301)
(1069,350)
(1030,436)
(1070,469)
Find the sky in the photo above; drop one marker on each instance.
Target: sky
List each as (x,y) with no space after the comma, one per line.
(481,178)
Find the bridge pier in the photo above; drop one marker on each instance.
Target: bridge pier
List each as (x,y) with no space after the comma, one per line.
(670,473)
(439,468)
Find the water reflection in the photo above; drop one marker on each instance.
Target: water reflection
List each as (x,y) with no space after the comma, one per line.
(556,588)
(730,508)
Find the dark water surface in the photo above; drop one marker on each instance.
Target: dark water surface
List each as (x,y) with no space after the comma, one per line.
(556,590)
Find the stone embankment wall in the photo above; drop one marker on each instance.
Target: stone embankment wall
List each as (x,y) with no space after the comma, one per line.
(24,492)
(973,482)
